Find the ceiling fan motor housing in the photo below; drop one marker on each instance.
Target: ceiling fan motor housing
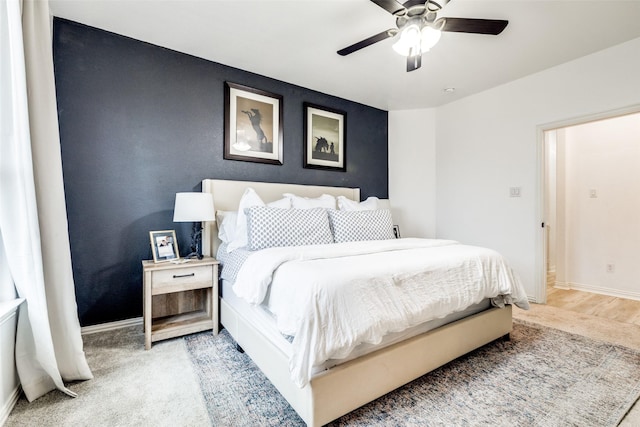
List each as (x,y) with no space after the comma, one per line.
(421,14)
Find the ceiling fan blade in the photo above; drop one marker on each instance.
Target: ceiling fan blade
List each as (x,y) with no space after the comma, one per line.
(367,42)
(470,25)
(391,6)
(414,62)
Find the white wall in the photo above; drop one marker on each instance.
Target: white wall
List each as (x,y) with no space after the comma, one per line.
(603,156)
(488,142)
(9,384)
(550,184)
(560,218)
(412,171)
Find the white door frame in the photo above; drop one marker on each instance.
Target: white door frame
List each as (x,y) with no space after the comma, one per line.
(540,291)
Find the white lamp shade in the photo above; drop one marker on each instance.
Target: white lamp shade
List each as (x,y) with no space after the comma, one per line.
(193,207)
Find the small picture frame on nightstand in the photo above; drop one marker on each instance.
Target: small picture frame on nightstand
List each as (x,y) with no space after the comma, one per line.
(164,245)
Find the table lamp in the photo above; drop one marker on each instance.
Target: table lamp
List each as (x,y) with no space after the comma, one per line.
(196,208)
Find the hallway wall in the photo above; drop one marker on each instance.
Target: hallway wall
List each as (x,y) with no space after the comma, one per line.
(602,206)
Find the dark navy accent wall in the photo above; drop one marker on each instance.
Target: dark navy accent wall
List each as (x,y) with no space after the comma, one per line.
(139,123)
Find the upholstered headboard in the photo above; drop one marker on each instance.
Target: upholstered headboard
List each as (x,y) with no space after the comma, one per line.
(227,194)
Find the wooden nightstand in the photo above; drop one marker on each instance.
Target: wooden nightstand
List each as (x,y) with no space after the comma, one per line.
(179,299)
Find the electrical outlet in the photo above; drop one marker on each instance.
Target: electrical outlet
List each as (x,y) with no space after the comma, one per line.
(611,268)
(514,191)
(593,193)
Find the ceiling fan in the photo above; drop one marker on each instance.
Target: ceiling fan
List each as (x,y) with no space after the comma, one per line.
(419,29)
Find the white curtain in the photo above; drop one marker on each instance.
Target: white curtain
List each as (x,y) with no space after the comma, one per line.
(32,209)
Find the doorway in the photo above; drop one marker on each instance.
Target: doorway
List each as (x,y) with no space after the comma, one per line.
(590,197)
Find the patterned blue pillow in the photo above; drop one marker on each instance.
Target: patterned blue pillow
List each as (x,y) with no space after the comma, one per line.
(354,226)
(272,227)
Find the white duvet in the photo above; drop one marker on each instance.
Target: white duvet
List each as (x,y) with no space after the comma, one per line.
(331,298)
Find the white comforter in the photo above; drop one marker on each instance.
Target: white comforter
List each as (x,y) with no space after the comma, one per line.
(333,297)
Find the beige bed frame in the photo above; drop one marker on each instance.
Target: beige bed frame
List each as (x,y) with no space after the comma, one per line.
(348,386)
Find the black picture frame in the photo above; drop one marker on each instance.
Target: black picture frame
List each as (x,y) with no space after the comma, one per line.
(325,138)
(252,125)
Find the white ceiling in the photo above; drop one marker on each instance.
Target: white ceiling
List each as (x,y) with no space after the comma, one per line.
(296,41)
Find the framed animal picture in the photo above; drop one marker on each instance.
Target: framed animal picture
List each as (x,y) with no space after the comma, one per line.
(325,142)
(252,125)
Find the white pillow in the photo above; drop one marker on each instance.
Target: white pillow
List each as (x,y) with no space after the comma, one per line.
(283,203)
(226,221)
(345,204)
(249,199)
(325,201)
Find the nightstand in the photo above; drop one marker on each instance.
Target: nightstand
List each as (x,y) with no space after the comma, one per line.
(179,298)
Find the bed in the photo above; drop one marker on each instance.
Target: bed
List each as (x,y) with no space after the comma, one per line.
(322,393)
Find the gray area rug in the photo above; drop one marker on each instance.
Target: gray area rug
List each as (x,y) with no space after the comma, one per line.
(542,377)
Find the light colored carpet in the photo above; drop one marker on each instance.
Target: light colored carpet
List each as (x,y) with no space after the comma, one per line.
(131,387)
(134,387)
(542,377)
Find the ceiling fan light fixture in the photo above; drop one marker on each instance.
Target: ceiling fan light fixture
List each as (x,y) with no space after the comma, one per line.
(413,39)
(430,37)
(418,28)
(409,40)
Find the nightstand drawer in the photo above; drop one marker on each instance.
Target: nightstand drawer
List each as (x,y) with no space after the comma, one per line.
(181,279)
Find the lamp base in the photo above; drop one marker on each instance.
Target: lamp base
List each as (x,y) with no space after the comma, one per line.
(193,255)
(196,241)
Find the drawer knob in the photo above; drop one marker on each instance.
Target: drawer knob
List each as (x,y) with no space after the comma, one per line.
(177,276)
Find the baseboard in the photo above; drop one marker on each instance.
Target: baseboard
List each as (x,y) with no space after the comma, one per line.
(9,405)
(600,290)
(111,326)
(562,285)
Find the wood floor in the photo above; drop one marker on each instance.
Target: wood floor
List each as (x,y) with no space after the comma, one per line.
(608,307)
